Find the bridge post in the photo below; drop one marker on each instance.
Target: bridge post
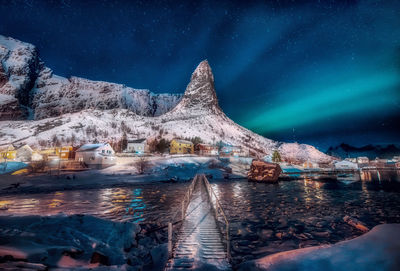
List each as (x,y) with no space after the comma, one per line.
(183,210)
(169,240)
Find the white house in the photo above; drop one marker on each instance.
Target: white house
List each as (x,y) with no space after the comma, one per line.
(96,155)
(362,160)
(24,153)
(346,165)
(310,164)
(136,145)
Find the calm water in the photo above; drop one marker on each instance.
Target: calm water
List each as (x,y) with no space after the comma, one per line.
(265,218)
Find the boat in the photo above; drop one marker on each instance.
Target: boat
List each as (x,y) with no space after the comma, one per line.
(261,171)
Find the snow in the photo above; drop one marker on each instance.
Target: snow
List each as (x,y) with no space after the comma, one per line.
(67,107)
(66,241)
(11,166)
(378,249)
(346,165)
(5,99)
(87,147)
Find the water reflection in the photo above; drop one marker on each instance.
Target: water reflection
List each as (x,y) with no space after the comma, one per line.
(312,191)
(136,207)
(142,203)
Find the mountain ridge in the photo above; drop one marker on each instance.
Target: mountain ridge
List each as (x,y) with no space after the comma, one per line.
(78,110)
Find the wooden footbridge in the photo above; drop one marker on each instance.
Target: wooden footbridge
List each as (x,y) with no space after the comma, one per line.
(202,240)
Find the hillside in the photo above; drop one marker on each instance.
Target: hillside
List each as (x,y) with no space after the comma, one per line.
(78,110)
(371,151)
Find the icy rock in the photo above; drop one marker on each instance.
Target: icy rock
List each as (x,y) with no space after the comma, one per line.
(80,238)
(97,257)
(159,255)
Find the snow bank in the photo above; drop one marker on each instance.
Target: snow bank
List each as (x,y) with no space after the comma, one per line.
(66,241)
(378,249)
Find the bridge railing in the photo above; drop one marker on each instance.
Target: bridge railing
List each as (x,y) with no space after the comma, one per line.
(184,204)
(218,210)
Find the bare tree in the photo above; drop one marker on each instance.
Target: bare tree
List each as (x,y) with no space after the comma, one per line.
(141,165)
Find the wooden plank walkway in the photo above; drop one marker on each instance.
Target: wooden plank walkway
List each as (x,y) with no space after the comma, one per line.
(199,245)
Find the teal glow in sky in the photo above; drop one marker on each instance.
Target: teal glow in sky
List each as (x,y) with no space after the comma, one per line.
(320,73)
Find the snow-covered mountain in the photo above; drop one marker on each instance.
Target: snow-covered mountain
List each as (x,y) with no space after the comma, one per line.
(29,86)
(371,151)
(79,110)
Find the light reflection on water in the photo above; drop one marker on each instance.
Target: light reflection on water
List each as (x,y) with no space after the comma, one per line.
(136,204)
(159,202)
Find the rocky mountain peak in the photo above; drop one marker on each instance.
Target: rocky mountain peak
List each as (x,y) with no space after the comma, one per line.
(200,92)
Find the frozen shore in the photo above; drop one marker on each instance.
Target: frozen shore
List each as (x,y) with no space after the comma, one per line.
(378,249)
(170,168)
(78,242)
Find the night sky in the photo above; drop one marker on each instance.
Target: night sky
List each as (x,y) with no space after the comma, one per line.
(320,73)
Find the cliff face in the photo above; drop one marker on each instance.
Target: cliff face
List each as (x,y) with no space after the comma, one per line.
(78,110)
(38,91)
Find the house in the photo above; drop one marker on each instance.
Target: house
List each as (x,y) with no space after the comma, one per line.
(230,150)
(66,152)
(179,146)
(136,146)
(9,153)
(353,160)
(96,155)
(24,153)
(309,164)
(396,158)
(206,149)
(362,160)
(36,156)
(346,165)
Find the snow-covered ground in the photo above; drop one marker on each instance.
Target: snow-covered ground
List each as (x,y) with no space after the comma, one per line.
(76,242)
(378,249)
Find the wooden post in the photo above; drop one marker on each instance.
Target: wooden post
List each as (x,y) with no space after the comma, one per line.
(169,240)
(228,243)
(183,210)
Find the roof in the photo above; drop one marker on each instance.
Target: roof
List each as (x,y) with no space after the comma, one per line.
(141,140)
(183,141)
(90,147)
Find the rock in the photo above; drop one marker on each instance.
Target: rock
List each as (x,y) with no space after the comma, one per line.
(355,223)
(159,255)
(97,257)
(322,234)
(266,234)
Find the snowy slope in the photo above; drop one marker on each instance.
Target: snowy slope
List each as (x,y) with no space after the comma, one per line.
(197,114)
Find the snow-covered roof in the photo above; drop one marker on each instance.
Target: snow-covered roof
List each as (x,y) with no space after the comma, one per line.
(183,141)
(90,147)
(141,140)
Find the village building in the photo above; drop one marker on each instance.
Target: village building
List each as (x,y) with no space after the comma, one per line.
(230,150)
(66,152)
(350,159)
(362,160)
(96,155)
(309,164)
(24,153)
(346,165)
(207,149)
(136,146)
(8,153)
(179,146)
(36,156)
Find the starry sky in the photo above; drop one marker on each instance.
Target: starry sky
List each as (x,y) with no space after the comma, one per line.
(318,72)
